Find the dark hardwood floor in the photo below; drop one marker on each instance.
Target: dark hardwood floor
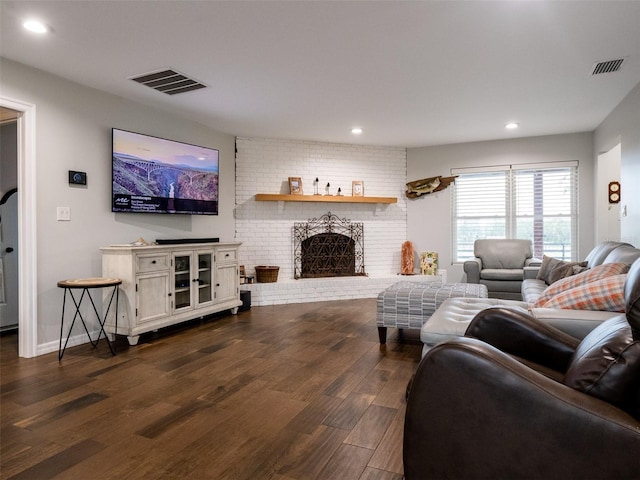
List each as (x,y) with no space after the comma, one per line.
(299,391)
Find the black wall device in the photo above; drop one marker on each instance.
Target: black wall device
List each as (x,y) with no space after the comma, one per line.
(77,178)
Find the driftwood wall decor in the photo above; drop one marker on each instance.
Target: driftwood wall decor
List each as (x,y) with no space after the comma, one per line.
(428,185)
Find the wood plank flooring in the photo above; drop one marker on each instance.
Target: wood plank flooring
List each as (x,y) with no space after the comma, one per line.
(285,392)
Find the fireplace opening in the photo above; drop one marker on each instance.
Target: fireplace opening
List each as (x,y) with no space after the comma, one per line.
(328,255)
(328,247)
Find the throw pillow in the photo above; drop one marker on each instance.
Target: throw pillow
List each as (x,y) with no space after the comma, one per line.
(567,269)
(552,269)
(588,276)
(581,267)
(548,264)
(606,294)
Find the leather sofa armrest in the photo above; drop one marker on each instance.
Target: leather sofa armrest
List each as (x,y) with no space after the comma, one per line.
(533,262)
(577,323)
(531,268)
(531,272)
(521,334)
(472,268)
(475,412)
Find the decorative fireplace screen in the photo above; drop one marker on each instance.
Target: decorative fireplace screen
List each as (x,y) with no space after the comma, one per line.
(328,247)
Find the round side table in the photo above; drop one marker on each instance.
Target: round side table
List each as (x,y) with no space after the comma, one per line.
(86,285)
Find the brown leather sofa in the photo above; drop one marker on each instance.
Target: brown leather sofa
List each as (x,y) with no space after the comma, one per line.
(524,400)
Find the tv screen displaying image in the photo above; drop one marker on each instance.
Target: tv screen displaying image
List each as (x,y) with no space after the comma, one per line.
(156,175)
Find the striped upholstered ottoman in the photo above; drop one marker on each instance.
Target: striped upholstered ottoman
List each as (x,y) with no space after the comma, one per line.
(410,304)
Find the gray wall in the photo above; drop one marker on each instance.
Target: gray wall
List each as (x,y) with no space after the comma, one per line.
(622,126)
(73,132)
(429,217)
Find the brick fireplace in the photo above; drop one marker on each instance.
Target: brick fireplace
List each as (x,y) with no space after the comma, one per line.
(266,228)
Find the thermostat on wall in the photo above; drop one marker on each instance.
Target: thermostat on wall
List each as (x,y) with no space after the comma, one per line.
(77,178)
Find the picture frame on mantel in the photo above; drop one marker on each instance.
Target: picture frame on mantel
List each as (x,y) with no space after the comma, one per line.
(357,188)
(295,185)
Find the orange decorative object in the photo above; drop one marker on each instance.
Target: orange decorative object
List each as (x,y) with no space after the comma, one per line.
(407,258)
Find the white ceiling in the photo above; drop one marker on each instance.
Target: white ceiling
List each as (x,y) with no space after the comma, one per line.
(409,73)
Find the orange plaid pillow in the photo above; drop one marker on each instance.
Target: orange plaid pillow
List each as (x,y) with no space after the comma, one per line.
(591,275)
(606,294)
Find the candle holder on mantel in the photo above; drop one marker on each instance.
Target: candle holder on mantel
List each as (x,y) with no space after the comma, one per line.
(315,186)
(326,189)
(339,191)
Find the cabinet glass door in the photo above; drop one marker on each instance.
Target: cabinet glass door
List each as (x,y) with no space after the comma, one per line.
(182,279)
(205,277)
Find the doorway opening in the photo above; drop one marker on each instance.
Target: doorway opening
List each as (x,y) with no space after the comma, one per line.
(26,207)
(608,213)
(9,222)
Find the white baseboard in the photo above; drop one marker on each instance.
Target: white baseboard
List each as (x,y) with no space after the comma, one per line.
(74,340)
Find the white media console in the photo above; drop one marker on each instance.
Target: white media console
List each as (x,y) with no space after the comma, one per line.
(167,284)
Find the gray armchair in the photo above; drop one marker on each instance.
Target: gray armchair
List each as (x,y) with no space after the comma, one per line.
(500,264)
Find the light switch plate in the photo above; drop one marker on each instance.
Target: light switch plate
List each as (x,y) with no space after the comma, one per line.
(63,214)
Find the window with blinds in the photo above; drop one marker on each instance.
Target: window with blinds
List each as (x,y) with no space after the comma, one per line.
(535,201)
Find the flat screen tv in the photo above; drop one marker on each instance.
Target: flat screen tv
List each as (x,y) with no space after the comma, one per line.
(156,175)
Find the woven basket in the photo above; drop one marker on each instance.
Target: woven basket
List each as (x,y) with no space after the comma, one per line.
(267,274)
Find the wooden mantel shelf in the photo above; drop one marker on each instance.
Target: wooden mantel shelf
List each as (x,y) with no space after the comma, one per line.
(273,197)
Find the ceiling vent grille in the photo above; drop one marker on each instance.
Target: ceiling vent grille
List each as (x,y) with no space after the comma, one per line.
(168,81)
(608,66)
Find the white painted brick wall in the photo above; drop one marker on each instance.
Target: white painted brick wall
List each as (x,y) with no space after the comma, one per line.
(265,228)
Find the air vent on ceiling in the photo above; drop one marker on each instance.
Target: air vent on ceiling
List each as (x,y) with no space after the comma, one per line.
(607,66)
(168,81)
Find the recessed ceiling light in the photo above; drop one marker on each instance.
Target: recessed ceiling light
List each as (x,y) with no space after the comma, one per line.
(356,131)
(35,26)
(511,126)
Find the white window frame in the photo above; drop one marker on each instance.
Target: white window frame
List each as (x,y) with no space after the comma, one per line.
(503,207)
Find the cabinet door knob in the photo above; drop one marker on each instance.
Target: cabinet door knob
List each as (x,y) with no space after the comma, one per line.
(153,261)
(170,294)
(9,250)
(217,284)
